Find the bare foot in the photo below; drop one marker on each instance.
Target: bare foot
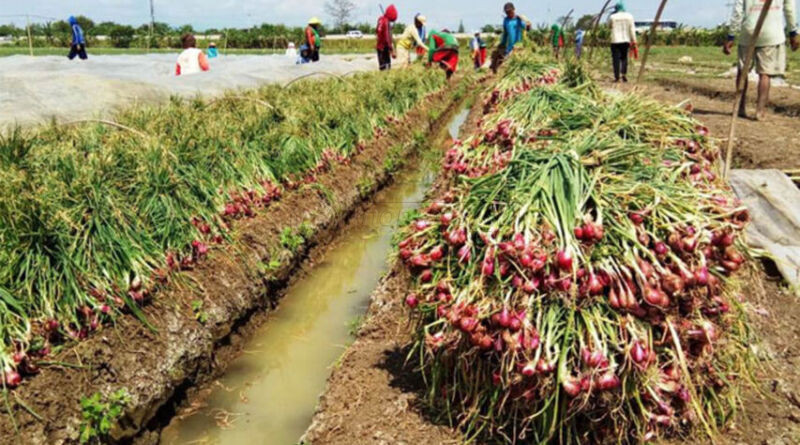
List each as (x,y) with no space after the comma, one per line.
(742,113)
(761,116)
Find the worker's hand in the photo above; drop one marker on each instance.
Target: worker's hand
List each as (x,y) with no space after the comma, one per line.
(795,42)
(726,48)
(394,55)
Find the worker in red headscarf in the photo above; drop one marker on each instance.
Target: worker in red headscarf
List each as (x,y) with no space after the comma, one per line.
(443,50)
(384,34)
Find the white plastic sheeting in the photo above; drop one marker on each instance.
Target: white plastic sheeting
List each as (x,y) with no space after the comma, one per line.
(774,204)
(35,89)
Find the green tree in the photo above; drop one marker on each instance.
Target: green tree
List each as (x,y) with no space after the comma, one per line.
(121,36)
(461,28)
(585,22)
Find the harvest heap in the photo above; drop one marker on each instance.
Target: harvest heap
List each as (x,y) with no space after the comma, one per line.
(93,219)
(575,282)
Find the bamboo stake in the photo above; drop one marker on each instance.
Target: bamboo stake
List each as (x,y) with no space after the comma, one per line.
(594,28)
(30,38)
(650,39)
(740,92)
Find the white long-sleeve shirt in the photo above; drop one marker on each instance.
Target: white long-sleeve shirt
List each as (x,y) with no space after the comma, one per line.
(623,29)
(745,17)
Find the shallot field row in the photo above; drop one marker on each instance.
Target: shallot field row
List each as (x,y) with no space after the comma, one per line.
(96,218)
(578,279)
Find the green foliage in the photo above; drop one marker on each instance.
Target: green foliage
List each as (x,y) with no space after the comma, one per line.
(290,240)
(121,36)
(199,314)
(89,206)
(99,415)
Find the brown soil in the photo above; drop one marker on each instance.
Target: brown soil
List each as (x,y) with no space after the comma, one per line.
(157,368)
(784,100)
(774,143)
(375,397)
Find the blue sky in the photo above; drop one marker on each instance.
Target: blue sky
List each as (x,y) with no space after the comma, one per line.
(443,13)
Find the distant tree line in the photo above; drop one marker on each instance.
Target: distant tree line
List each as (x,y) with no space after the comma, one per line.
(269,36)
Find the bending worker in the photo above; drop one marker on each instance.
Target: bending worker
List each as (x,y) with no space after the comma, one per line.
(557,39)
(411,39)
(309,51)
(191,60)
(211,52)
(514,27)
(78,45)
(443,50)
(770,53)
(383,32)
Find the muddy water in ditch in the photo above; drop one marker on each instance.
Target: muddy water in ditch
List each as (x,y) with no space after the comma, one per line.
(268,395)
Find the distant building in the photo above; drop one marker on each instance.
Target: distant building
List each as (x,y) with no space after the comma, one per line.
(663,25)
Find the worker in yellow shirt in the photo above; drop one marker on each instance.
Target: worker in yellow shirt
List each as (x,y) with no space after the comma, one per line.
(409,40)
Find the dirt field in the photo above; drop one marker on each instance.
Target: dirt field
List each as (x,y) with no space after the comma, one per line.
(375,397)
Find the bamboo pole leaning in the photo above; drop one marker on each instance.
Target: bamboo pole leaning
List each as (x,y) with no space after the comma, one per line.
(650,39)
(594,27)
(740,91)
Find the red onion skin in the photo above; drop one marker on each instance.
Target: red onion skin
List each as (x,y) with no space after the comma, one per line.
(564,259)
(572,386)
(426,276)
(412,301)
(13,379)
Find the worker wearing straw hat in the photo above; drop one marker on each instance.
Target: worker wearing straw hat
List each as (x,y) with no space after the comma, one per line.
(309,51)
(623,36)
(409,40)
(478,47)
(770,54)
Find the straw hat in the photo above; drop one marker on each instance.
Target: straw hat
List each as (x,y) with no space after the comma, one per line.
(421,18)
(314,21)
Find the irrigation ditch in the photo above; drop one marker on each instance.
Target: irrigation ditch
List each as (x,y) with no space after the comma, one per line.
(201,323)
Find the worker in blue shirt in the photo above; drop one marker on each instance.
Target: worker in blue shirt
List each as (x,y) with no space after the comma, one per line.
(78,45)
(514,27)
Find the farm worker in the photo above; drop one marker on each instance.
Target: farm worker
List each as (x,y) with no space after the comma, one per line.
(514,27)
(478,47)
(443,49)
(409,40)
(770,54)
(579,34)
(557,39)
(423,35)
(212,50)
(191,60)
(78,45)
(623,35)
(384,36)
(309,51)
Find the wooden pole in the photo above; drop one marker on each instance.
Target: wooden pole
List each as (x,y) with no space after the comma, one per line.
(594,28)
(650,39)
(740,92)
(564,29)
(30,38)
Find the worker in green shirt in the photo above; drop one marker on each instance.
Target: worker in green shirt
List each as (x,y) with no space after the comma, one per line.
(443,49)
(557,38)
